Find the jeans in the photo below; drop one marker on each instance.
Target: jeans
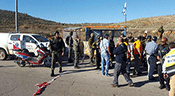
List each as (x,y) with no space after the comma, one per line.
(128,65)
(151,61)
(121,67)
(105,57)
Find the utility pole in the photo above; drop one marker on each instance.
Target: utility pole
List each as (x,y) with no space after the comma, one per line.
(16,15)
(124,11)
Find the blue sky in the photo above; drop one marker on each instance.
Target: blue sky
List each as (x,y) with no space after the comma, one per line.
(90,11)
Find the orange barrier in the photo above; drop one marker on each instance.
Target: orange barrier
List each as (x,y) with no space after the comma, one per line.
(106,26)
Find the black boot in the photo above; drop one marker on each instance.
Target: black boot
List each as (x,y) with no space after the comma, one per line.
(60,71)
(52,73)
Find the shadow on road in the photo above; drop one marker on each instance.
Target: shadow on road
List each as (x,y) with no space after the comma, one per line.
(8,66)
(141,83)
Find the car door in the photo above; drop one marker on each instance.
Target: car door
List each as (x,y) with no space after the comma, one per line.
(30,43)
(13,43)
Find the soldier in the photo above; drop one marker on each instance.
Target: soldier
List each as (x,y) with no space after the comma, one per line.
(97,56)
(57,48)
(161,31)
(76,46)
(111,46)
(69,42)
(130,38)
(91,48)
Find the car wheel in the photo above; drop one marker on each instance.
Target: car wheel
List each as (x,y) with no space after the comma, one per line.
(3,54)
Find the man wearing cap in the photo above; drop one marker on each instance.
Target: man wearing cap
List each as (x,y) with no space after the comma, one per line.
(57,48)
(168,68)
(151,57)
(105,53)
(69,42)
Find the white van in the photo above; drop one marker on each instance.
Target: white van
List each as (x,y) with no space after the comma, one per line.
(10,41)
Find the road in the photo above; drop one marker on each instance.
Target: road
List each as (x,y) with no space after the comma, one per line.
(86,81)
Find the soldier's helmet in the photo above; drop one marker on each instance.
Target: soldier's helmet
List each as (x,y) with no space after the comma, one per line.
(55,33)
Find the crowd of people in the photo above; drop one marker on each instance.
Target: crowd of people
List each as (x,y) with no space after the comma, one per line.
(144,50)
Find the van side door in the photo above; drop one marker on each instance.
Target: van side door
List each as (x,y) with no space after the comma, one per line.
(30,44)
(13,43)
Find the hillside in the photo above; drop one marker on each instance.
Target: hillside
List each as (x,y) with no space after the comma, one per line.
(31,24)
(152,23)
(28,23)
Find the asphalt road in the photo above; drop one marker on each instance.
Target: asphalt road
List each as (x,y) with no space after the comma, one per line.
(86,81)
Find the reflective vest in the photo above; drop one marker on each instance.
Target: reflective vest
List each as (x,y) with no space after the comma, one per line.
(170,62)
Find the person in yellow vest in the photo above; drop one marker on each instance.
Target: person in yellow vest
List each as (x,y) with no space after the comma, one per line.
(138,49)
(128,56)
(169,68)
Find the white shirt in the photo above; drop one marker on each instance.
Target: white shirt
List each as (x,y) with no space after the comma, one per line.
(103,45)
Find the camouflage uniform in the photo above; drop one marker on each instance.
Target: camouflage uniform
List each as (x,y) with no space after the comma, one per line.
(91,48)
(69,42)
(76,46)
(111,46)
(57,47)
(161,31)
(98,55)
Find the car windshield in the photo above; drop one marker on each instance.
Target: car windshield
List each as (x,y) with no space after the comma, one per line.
(40,38)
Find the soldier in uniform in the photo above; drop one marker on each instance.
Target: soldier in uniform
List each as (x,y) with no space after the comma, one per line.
(97,56)
(69,42)
(161,31)
(76,46)
(91,48)
(57,48)
(111,46)
(130,38)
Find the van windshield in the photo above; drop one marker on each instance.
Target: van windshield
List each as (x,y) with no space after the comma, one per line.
(40,38)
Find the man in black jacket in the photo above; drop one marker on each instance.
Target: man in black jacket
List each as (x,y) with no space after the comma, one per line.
(120,66)
(162,49)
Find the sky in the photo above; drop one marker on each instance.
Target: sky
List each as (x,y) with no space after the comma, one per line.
(91,11)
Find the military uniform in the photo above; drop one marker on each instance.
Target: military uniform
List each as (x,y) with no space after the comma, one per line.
(161,31)
(57,47)
(69,42)
(98,55)
(111,47)
(76,46)
(91,48)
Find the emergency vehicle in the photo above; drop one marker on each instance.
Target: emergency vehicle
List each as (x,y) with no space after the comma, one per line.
(11,41)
